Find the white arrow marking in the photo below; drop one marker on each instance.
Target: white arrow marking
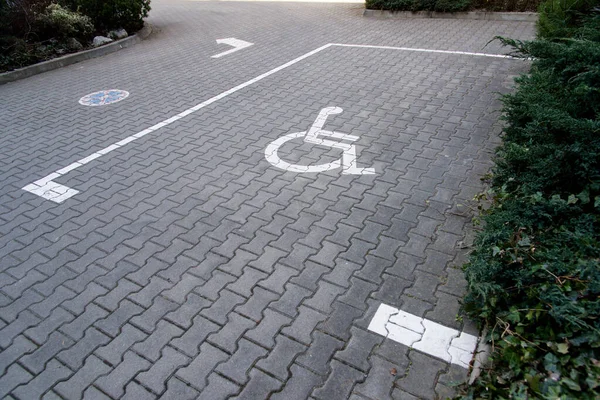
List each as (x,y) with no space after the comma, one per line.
(236,43)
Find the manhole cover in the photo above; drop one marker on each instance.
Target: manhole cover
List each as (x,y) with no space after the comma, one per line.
(103,97)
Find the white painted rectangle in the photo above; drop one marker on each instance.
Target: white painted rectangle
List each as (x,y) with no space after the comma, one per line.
(424,335)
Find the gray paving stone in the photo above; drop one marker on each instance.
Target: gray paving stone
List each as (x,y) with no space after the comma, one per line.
(15,376)
(74,356)
(189,343)
(359,347)
(74,387)
(133,391)
(421,383)
(380,381)
(259,386)
(319,353)
(114,383)
(149,318)
(218,311)
(281,357)
(289,302)
(111,300)
(218,388)
(156,377)
(277,280)
(267,329)
(310,275)
(196,374)
(243,286)
(151,347)
(79,325)
(182,317)
(304,324)
(300,385)
(40,332)
(112,324)
(339,321)
(178,390)
(19,346)
(324,297)
(113,351)
(239,364)
(336,385)
(37,360)
(52,374)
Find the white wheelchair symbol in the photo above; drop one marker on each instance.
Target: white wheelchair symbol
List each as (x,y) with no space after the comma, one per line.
(313,135)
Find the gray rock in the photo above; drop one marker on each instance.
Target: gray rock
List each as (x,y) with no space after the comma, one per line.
(101,40)
(118,34)
(73,44)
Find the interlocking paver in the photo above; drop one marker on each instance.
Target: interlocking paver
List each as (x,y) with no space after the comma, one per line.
(187,266)
(114,383)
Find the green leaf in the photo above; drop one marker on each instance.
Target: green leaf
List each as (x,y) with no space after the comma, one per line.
(584,196)
(597,202)
(572,199)
(563,348)
(495,251)
(571,384)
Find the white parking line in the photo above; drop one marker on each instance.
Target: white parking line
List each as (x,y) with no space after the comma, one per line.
(47,189)
(424,335)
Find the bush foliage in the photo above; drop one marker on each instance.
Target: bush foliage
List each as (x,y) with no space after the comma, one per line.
(61,23)
(534,275)
(113,14)
(37,30)
(453,5)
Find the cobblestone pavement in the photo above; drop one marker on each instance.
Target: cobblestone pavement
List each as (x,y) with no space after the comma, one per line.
(188,266)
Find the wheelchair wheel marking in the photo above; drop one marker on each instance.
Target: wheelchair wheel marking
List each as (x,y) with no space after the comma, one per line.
(273,157)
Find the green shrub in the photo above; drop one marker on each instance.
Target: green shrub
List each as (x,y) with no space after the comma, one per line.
(419,5)
(18,16)
(506,5)
(392,5)
(113,14)
(561,18)
(453,5)
(534,275)
(61,23)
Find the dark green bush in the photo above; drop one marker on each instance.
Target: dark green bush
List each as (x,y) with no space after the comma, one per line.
(506,5)
(562,18)
(61,23)
(534,275)
(453,5)
(36,30)
(113,14)
(419,5)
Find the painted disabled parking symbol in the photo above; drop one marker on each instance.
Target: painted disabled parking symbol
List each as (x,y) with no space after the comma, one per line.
(315,135)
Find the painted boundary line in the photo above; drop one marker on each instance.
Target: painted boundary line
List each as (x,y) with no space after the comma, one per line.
(50,190)
(424,335)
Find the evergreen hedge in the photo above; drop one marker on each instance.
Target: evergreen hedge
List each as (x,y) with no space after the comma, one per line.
(453,5)
(534,275)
